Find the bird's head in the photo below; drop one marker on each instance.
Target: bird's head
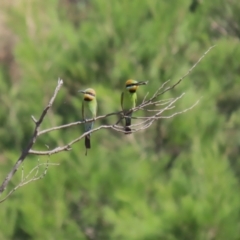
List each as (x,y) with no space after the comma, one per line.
(132,85)
(89,94)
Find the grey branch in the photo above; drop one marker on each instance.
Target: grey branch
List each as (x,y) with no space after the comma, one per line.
(152,106)
(147,121)
(26,179)
(25,152)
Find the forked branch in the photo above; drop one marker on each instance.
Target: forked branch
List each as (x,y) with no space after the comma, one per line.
(153,106)
(33,139)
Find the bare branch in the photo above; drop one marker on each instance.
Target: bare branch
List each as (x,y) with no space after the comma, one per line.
(34,119)
(183,111)
(25,180)
(67,147)
(78,123)
(189,71)
(143,104)
(152,106)
(25,152)
(140,126)
(147,121)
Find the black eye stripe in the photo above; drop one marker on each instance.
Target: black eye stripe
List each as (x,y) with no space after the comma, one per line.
(89,93)
(131,85)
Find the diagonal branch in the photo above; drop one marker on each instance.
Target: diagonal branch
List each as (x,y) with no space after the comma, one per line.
(189,71)
(153,106)
(25,152)
(143,104)
(25,180)
(145,123)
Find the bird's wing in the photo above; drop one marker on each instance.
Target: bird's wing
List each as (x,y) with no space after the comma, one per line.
(92,106)
(83,109)
(122,100)
(95,112)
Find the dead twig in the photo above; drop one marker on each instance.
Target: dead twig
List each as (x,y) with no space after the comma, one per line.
(25,152)
(152,106)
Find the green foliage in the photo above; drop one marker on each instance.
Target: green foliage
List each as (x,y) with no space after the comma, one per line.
(178,179)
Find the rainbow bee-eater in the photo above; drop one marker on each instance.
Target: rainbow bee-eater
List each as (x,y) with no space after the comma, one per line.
(89,111)
(128,101)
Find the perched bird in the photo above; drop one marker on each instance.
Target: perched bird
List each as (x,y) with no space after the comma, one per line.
(89,111)
(128,100)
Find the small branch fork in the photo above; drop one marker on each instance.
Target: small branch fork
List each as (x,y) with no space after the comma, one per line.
(145,122)
(33,139)
(34,174)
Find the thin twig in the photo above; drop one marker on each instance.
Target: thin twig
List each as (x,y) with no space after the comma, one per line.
(25,152)
(24,180)
(149,105)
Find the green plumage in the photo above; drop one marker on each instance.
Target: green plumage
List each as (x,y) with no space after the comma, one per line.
(89,111)
(128,101)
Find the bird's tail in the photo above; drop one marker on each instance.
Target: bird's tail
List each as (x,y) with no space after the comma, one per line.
(128,123)
(87,141)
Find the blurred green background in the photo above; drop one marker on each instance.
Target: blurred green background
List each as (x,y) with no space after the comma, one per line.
(177,180)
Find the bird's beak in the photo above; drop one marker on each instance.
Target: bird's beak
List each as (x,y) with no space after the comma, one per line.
(142,83)
(81,91)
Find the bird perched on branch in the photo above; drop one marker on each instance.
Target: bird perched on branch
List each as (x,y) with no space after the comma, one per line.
(128,101)
(89,111)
